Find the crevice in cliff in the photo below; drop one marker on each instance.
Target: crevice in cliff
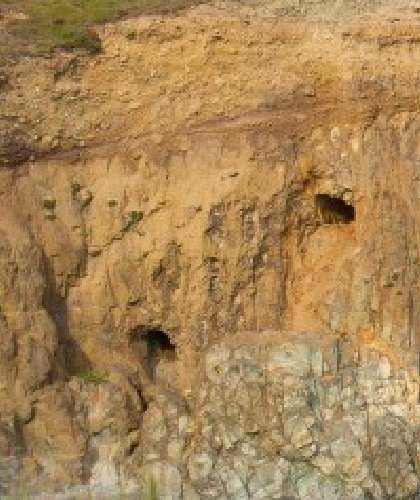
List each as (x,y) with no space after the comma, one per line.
(69,357)
(154,348)
(332,210)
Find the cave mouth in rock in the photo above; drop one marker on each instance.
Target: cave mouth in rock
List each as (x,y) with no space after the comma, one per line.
(332,210)
(153,345)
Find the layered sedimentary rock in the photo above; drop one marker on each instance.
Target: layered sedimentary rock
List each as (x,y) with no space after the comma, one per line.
(209,258)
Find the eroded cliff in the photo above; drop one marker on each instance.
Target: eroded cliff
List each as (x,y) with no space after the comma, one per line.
(209,257)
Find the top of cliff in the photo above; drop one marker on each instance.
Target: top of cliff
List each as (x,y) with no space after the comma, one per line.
(160,73)
(39,27)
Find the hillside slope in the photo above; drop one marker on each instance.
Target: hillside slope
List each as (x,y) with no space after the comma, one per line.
(209,256)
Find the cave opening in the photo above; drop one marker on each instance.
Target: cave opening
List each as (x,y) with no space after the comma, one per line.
(332,210)
(154,347)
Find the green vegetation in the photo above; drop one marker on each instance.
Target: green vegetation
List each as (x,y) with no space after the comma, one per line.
(151,492)
(66,23)
(132,218)
(49,203)
(75,188)
(94,377)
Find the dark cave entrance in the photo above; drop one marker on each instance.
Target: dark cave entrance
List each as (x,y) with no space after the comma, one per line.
(153,346)
(332,210)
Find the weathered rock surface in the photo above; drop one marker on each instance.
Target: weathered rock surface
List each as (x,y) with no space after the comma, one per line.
(209,258)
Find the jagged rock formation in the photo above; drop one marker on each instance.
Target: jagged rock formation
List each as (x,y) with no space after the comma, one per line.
(209,257)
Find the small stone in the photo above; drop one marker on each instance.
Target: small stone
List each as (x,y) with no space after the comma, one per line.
(348,456)
(199,466)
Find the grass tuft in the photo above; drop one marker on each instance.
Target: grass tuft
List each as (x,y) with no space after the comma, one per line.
(67,24)
(151,492)
(94,377)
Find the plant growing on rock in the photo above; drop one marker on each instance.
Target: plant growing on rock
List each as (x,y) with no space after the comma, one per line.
(94,377)
(151,492)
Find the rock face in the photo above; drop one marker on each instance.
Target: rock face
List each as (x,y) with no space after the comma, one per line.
(209,258)
(295,416)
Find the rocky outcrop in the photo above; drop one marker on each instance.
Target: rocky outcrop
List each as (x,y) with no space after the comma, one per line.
(171,208)
(291,416)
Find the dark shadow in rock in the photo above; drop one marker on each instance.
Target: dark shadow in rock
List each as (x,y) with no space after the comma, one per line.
(333,210)
(152,345)
(70,358)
